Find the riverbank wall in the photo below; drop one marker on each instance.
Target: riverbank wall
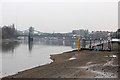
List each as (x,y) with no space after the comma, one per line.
(115,46)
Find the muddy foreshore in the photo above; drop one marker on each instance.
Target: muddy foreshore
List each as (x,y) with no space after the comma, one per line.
(82,64)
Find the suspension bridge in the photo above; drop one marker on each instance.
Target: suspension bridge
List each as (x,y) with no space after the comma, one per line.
(31,33)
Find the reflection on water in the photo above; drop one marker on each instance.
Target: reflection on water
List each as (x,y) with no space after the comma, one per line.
(9,46)
(30,45)
(71,43)
(21,55)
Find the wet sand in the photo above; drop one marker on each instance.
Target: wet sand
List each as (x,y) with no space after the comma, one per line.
(82,64)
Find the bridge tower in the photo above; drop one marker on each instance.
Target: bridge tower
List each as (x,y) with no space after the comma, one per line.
(31,32)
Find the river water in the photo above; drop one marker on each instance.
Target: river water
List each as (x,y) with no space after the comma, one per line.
(21,55)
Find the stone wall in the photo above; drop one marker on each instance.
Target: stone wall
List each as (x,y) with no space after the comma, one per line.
(115,46)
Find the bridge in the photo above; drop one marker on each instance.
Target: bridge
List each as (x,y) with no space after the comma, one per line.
(31,33)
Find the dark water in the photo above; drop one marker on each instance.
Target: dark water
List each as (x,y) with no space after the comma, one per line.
(21,55)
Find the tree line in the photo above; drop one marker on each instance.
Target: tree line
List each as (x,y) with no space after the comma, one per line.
(9,32)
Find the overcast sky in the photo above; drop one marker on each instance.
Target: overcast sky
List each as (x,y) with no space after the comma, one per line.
(61,15)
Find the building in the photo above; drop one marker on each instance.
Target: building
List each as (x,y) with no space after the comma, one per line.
(81,32)
(100,34)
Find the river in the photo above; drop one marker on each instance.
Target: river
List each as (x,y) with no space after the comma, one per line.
(21,55)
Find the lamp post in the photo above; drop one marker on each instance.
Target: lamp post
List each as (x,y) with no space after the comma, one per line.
(90,43)
(78,44)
